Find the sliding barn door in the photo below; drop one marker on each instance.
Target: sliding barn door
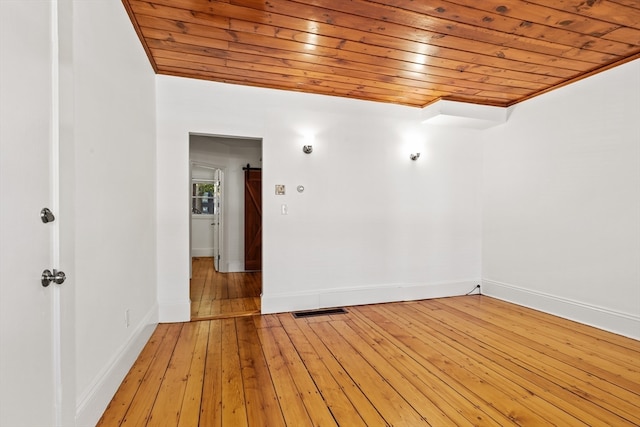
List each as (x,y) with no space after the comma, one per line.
(253,219)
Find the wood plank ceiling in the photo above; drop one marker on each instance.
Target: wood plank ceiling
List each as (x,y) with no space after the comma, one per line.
(409,52)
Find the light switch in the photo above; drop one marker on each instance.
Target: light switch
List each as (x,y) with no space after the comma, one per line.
(279,190)
(284,209)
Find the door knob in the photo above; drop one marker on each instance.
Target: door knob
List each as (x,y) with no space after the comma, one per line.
(46,215)
(57,277)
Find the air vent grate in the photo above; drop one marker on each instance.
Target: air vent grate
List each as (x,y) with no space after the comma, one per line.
(321,312)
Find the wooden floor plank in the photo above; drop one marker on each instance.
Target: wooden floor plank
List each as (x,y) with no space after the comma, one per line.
(208,289)
(144,400)
(196,288)
(260,396)
(517,382)
(441,395)
(289,397)
(487,383)
(312,399)
(190,410)
(211,407)
(267,321)
(402,385)
(337,401)
(404,337)
(234,412)
(166,408)
(119,405)
(502,378)
(456,361)
(356,396)
(393,407)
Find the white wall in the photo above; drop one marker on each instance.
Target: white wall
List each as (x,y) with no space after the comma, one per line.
(371,225)
(230,155)
(561,205)
(115,246)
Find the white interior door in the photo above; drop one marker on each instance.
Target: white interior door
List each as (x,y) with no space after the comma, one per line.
(217,219)
(30,316)
(205,227)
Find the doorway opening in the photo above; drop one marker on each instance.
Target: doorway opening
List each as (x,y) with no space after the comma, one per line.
(222,284)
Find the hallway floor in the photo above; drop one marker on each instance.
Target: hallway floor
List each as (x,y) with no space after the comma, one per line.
(217,295)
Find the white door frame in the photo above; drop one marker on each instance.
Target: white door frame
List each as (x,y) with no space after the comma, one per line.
(63,249)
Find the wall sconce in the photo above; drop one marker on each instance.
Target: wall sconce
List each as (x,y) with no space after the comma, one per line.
(308,149)
(414,156)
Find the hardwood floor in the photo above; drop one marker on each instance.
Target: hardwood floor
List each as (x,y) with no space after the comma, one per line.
(469,360)
(218,295)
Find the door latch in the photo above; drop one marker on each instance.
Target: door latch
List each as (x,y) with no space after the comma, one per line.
(57,277)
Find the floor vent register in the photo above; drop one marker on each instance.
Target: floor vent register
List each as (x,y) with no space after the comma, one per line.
(320,312)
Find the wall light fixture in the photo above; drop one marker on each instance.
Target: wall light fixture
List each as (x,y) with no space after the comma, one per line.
(414,156)
(308,149)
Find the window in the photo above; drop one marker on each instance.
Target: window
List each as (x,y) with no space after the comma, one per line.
(205,197)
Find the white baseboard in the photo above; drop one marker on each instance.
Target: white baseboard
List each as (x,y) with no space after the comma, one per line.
(93,402)
(599,317)
(202,252)
(323,298)
(235,267)
(174,311)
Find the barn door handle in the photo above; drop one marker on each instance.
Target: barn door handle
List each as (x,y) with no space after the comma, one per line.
(57,277)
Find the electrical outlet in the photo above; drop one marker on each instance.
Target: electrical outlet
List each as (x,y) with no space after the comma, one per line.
(126,318)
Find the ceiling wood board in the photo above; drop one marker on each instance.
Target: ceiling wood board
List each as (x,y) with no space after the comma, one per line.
(405,52)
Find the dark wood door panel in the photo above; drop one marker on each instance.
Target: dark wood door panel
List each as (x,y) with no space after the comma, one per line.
(253,219)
